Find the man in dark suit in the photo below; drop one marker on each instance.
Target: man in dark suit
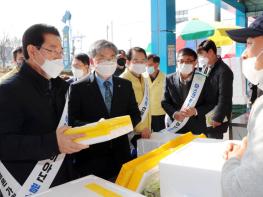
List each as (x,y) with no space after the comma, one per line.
(221,82)
(176,90)
(31,104)
(102,95)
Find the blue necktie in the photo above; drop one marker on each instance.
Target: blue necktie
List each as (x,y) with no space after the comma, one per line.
(108,95)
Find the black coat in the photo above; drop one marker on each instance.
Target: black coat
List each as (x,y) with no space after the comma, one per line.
(220,81)
(30,110)
(87,105)
(173,101)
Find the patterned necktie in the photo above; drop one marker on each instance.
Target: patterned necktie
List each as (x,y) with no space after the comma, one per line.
(108,95)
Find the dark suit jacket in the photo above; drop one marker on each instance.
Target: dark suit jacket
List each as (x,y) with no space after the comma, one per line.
(221,82)
(86,105)
(173,101)
(30,110)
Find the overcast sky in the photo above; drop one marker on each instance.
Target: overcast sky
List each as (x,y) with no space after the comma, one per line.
(130,19)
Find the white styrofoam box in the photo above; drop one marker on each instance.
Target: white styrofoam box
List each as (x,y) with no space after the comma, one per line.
(157,139)
(194,170)
(77,188)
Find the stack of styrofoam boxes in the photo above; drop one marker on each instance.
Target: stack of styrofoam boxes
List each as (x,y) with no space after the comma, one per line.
(194,170)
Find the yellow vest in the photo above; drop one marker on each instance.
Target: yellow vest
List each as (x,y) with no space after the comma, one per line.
(156,94)
(138,88)
(9,74)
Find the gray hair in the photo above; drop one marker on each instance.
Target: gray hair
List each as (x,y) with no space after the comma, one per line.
(97,46)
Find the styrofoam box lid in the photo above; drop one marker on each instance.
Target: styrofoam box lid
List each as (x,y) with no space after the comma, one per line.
(200,153)
(77,188)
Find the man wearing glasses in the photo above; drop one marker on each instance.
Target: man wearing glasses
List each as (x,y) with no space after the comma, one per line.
(176,91)
(103,95)
(31,105)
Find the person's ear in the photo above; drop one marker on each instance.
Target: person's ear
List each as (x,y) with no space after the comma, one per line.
(31,50)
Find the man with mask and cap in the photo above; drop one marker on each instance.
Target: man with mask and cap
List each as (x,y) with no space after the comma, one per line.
(18,59)
(80,67)
(177,88)
(103,95)
(33,116)
(243,171)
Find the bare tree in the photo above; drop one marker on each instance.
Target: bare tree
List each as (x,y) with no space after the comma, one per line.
(4,48)
(15,42)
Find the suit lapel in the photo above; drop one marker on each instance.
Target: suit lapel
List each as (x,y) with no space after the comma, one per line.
(177,87)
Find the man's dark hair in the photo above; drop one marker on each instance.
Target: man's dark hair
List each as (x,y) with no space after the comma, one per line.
(137,49)
(84,58)
(206,45)
(34,35)
(16,51)
(188,52)
(155,58)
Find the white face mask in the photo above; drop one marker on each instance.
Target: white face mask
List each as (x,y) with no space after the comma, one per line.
(150,70)
(53,67)
(138,68)
(203,61)
(250,72)
(185,69)
(106,69)
(77,73)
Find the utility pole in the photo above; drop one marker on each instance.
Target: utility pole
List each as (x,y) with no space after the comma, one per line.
(111,31)
(107,31)
(130,42)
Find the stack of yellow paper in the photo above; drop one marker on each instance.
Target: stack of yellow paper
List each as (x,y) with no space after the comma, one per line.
(132,173)
(103,130)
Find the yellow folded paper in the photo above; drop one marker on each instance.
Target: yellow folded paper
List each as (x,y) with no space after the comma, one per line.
(101,190)
(101,128)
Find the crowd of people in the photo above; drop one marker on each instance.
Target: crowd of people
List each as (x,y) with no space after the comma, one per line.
(108,83)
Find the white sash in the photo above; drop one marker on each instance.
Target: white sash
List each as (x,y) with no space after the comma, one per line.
(40,178)
(145,104)
(190,101)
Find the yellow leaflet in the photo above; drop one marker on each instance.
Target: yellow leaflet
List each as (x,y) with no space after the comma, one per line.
(100,128)
(101,190)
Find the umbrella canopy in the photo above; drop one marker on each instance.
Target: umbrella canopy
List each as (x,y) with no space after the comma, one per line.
(220,36)
(194,29)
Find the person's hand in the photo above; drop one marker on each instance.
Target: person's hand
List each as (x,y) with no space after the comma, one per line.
(234,150)
(179,116)
(146,133)
(215,124)
(65,142)
(189,112)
